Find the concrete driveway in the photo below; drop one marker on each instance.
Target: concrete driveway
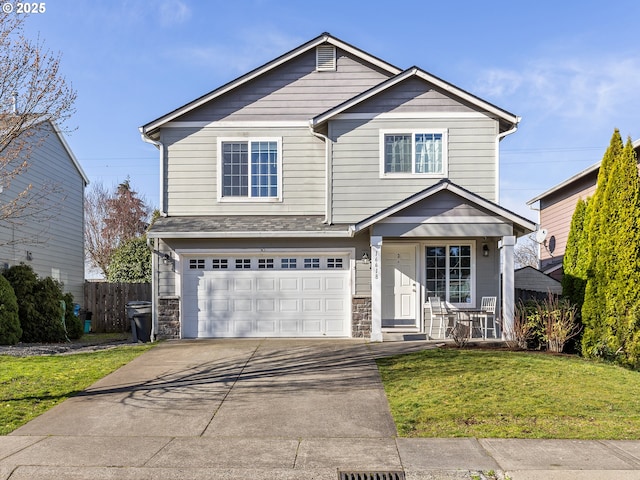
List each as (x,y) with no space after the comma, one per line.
(276,409)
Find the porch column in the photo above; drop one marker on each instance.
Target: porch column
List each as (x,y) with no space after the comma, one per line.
(508,285)
(376,289)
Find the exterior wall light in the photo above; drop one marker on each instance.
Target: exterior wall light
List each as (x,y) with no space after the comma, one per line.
(485,250)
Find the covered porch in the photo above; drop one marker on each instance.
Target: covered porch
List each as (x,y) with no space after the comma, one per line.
(444,243)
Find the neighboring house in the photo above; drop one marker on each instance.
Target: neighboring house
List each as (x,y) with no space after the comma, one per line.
(556,210)
(328,193)
(51,239)
(531,283)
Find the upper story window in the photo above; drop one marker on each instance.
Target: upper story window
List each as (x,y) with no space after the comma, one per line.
(406,153)
(249,169)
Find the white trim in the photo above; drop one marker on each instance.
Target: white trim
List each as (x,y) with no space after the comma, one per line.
(253,234)
(241,199)
(407,115)
(474,259)
(413,132)
(442,219)
(240,124)
(376,288)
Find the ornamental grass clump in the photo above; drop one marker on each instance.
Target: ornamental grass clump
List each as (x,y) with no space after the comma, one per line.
(558,322)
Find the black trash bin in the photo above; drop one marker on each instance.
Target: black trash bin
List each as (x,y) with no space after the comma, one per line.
(139,314)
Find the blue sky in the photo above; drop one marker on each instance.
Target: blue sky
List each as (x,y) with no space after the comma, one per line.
(571,70)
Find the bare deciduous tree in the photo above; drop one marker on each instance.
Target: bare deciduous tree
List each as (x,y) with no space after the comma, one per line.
(526,252)
(35,98)
(112,218)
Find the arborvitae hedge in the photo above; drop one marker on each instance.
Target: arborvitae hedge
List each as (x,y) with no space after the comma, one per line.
(611,309)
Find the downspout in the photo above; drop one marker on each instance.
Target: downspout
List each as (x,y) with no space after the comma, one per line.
(328,216)
(154,260)
(160,147)
(154,285)
(498,139)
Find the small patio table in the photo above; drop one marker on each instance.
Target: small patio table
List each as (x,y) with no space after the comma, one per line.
(467,316)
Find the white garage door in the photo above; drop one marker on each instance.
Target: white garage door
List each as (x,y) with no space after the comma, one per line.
(266,296)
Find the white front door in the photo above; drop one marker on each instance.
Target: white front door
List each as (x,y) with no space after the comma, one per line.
(399,286)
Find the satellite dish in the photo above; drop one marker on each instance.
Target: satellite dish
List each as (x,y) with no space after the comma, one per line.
(541,235)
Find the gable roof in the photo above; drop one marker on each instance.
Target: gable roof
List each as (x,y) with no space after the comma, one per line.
(152,127)
(532,279)
(507,119)
(525,226)
(72,156)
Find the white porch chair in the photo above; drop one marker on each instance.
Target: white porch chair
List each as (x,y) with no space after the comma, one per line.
(439,316)
(488,311)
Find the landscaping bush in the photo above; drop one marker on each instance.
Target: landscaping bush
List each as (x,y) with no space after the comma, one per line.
(547,324)
(10,330)
(75,329)
(39,306)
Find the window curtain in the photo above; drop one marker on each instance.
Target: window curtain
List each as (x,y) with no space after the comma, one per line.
(428,153)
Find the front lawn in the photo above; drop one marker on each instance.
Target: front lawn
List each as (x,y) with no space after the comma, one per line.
(502,394)
(29,386)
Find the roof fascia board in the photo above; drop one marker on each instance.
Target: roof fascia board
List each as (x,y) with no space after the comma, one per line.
(416,72)
(256,234)
(578,176)
(324,38)
(559,186)
(72,156)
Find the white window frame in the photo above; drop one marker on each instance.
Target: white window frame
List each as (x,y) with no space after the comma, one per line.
(220,175)
(447,244)
(413,132)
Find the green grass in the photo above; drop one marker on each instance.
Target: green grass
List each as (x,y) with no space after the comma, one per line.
(502,394)
(29,386)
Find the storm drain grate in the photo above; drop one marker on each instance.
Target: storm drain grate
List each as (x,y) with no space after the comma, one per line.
(398,475)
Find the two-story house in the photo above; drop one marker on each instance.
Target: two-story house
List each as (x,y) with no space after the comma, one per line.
(48,233)
(328,193)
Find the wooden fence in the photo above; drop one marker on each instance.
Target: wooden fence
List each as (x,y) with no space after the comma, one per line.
(107,303)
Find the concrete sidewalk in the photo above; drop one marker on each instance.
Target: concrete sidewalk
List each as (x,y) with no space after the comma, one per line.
(270,409)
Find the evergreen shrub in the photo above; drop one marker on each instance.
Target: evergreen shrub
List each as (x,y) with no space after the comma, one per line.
(10,330)
(39,307)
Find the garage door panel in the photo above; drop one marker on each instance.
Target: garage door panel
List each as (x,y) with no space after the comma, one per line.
(267,305)
(292,302)
(312,284)
(289,284)
(242,284)
(289,305)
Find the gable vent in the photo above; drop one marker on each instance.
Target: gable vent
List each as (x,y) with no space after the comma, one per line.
(325,58)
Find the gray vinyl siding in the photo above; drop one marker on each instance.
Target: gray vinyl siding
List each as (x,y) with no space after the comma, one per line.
(56,244)
(358,191)
(191,172)
(293,91)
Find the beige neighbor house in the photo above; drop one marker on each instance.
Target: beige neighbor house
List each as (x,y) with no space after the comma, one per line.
(51,239)
(556,209)
(328,193)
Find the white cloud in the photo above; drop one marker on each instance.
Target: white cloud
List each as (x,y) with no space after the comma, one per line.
(570,88)
(238,54)
(173,12)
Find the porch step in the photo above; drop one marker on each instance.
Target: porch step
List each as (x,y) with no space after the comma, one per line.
(403,336)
